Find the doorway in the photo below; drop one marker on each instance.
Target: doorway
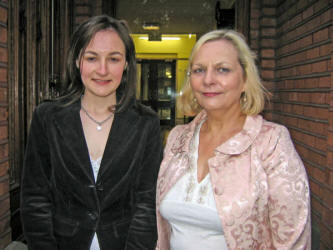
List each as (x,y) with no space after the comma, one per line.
(156,88)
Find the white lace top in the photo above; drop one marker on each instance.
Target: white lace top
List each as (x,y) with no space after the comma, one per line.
(190,209)
(95,164)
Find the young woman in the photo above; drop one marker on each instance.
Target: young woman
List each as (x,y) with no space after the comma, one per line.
(93,155)
(237,178)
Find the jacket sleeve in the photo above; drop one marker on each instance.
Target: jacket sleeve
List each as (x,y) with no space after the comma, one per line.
(36,201)
(142,231)
(289,196)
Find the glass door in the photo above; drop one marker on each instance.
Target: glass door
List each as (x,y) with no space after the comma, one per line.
(156,88)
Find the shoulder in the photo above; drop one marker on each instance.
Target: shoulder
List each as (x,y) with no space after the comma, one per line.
(144,110)
(49,109)
(273,130)
(274,137)
(143,113)
(178,130)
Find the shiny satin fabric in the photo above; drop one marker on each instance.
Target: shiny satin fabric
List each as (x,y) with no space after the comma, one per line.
(260,186)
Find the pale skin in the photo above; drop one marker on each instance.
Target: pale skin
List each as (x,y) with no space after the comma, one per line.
(217,81)
(101,66)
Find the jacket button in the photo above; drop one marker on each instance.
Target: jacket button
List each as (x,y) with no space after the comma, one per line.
(218,190)
(99,187)
(92,215)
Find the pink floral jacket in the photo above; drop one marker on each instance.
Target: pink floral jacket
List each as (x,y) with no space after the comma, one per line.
(259,181)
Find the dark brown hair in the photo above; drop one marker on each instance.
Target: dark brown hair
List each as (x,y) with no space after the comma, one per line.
(73,87)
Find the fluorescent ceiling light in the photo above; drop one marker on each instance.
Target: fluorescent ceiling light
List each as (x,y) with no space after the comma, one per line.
(163,38)
(151,26)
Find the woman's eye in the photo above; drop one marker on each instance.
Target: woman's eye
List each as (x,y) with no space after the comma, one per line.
(90,59)
(114,59)
(198,71)
(223,70)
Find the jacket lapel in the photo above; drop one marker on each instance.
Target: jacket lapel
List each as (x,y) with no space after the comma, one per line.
(123,128)
(69,126)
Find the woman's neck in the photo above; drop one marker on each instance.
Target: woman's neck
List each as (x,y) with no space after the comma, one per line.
(218,123)
(97,105)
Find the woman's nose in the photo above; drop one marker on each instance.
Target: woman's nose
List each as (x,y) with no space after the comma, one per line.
(102,68)
(209,77)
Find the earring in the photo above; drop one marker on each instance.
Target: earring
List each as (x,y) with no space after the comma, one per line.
(194,101)
(244,98)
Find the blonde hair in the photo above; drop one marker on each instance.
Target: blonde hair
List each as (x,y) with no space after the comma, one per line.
(254,90)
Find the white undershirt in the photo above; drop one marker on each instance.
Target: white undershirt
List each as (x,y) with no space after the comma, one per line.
(95,164)
(194,220)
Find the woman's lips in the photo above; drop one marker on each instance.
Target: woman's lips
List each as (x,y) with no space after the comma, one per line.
(101,82)
(210,94)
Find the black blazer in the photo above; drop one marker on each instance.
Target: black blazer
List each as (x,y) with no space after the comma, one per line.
(62,206)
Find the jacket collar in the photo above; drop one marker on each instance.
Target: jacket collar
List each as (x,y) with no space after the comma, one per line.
(68,122)
(235,145)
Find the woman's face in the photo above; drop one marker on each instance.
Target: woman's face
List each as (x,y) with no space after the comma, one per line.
(217,77)
(103,63)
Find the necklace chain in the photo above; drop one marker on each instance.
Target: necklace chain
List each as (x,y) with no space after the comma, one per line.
(99,124)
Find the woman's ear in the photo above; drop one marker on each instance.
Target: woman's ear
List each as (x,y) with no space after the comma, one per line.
(125,67)
(77,62)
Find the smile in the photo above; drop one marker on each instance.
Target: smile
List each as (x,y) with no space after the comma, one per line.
(101,82)
(210,94)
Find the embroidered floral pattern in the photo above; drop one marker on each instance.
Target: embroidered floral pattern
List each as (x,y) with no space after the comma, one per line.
(260,186)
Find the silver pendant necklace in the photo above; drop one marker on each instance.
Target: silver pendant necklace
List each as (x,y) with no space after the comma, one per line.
(99,124)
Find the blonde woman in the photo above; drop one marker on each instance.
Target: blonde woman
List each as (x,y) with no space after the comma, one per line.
(230,179)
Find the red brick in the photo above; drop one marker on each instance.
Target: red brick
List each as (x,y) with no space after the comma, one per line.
(4,188)
(268,43)
(268,32)
(314,187)
(3,95)
(315,205)
(3,132)
(80,19)
(255,13)
(320,35)
(304,69)
(83,10)
(3,15)
(330,179)
(325,50)
(295,20)
(3,55)
(312,24)
(313,53)
(327,216)
(267,74)
(326,16)
(3,151)
(82,2)
(308,12)
(328,196)
(3,114)
(317,158)
(254,24)
(319,98)
(3,35)
(320,5)
(320,144)
(268,63)
(4,168)
(269,11)
(268,22)
(3,75)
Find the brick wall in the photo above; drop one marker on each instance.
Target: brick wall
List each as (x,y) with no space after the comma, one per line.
(5,232)
(293,40)
(84,9)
